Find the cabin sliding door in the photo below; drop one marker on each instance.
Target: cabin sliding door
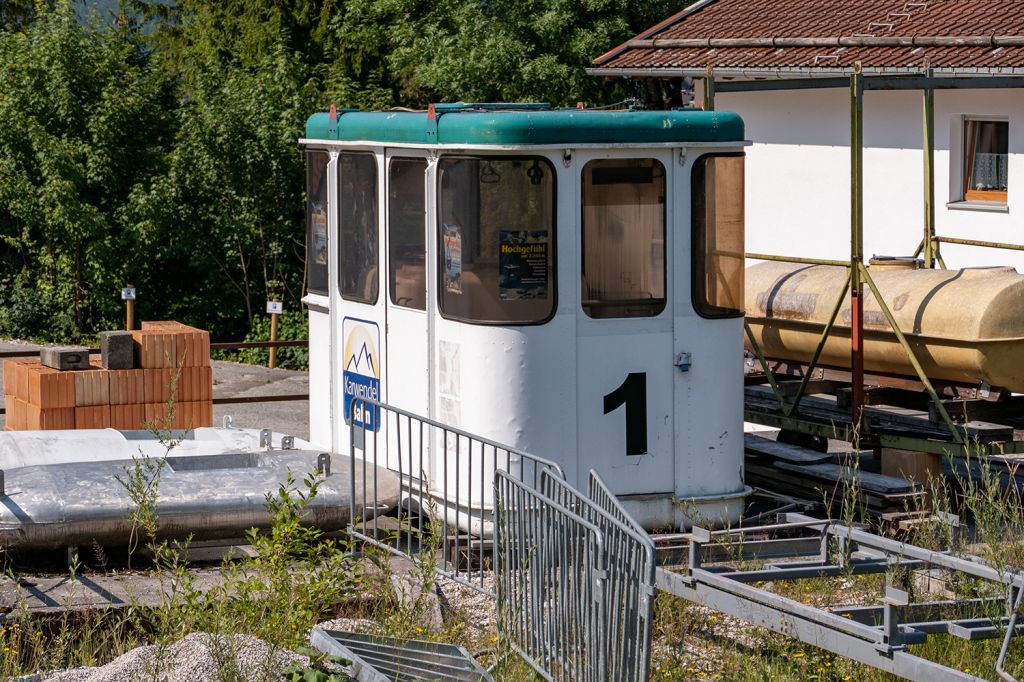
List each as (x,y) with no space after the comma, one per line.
(407,300)
(624,327)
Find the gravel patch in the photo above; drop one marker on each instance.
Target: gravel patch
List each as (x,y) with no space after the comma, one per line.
(478,610)
(199,657)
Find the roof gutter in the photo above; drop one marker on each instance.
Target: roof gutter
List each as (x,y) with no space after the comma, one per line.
(827,42)
(794,72)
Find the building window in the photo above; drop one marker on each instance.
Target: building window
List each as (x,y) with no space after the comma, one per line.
(496,239)
(358,278)
(316,222)
(718,235)
(986,147)
(407,233)
(623,238)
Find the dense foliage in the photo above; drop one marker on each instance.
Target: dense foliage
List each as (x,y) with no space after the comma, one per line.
(155,144)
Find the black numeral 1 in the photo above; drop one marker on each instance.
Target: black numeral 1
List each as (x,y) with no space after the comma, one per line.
(632,393)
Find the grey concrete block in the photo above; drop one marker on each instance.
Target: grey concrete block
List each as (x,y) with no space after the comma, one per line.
(65,357)
(117,350)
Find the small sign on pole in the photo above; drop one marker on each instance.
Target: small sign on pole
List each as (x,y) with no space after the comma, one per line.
(128,296)
(275,308)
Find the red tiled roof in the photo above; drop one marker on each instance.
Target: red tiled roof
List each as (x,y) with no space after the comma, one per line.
(751,19)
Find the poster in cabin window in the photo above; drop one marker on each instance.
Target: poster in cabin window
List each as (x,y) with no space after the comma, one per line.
(523,263)
(453,259)
(317,192)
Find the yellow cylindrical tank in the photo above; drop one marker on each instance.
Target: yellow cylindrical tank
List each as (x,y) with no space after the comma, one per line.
(965,326)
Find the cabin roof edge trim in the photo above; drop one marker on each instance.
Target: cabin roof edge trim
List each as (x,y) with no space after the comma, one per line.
(528,128)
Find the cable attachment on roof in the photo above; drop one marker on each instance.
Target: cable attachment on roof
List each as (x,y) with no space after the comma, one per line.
(535,173)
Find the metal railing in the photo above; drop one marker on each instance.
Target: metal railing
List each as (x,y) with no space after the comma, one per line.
(628,562)
(447,478)
(877,634)
(550,581)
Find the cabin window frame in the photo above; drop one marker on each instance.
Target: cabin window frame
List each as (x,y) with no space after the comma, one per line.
(625,303)
(552,240)
(375,264)
(311,263)
(698,293)
(392,270)
(993,197)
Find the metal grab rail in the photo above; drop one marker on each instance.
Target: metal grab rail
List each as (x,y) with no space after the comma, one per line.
(447,479)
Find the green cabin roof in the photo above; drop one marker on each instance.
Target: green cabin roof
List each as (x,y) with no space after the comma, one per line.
(473,124)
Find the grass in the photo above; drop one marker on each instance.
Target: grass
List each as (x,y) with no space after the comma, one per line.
(299,577)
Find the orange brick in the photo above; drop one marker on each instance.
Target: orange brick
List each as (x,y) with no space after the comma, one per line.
(192,346)
(92,417)
(154,349)
(14,416)
(92,386)
(156,416)
(156,385)
(50,388)
(128,417)
(127,386)
(10,369)
(16,377)
(48,419)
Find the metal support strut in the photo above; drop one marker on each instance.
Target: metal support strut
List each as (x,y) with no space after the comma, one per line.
(856,244)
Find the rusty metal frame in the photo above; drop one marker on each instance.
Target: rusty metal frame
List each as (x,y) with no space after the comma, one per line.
(857,273)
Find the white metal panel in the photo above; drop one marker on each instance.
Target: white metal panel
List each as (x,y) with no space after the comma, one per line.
(608,352)
(407,333)
(319,378)
(359,328)
(512,384)
(708,397)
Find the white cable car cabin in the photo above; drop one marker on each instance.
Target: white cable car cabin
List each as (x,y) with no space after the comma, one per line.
(567,282)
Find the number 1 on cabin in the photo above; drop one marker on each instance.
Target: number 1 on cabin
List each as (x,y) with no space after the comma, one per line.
(633,394)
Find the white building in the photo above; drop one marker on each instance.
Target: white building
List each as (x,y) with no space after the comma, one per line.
(798,169)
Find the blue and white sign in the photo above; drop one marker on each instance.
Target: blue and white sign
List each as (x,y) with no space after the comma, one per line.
(360,376)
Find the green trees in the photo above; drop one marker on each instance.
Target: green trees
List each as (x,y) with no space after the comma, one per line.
(83,116)
(158,146)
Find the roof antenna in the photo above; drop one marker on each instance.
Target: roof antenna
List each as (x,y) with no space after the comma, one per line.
(334,113)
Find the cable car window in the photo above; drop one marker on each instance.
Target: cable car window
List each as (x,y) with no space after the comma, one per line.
(623,238)
(496,239)
(357,227)
(406,233)
(718,235)
(316,222)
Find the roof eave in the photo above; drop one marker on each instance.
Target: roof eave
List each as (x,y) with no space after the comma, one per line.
(657,28)
(793,72)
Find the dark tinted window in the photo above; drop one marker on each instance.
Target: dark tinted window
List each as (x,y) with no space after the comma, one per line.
(407,233)
(718,236)
(358,278)
(496,239)
(316,222)
(623,238)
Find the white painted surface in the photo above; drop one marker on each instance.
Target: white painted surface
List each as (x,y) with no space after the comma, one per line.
(540,388)
(798,173)
(319,378)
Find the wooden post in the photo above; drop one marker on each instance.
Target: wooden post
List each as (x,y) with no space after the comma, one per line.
(129,311)
(273,337)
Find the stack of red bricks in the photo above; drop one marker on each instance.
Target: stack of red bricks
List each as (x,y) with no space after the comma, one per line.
(171,385)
